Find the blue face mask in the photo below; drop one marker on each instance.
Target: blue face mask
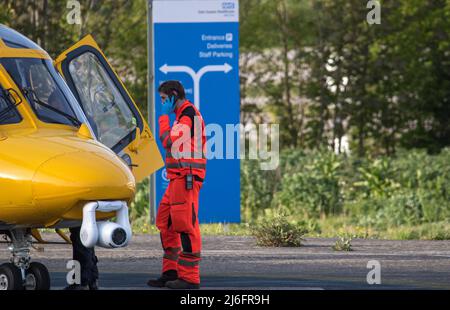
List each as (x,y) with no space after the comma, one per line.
(168,105)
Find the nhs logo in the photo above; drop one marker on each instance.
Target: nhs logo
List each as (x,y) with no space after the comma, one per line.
(228,5)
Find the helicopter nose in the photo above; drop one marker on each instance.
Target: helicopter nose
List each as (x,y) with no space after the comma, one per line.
(66,179)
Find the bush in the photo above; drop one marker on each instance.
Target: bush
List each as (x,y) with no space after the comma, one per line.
(279,232)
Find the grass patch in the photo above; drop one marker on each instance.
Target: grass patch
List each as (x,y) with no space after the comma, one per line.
(143,226)
(330,227)
(427,231)
(223,229)
(281,230)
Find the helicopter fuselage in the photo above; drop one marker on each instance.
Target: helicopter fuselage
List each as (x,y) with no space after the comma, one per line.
(47,175)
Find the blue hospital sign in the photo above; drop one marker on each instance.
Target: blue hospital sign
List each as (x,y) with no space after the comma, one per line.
(197,43)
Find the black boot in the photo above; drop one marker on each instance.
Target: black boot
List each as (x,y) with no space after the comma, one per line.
(169,275)
(80,287)
(93,286)
(180,284)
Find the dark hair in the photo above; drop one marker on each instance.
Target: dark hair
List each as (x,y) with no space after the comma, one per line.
(168,87)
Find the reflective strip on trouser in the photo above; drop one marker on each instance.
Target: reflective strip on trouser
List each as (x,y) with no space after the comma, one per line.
(172,254)
(188,263)
(189,259)
(170,240)
(191,255)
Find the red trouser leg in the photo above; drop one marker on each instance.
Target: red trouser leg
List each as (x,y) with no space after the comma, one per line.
(188,264)
(184,217)
(170,239)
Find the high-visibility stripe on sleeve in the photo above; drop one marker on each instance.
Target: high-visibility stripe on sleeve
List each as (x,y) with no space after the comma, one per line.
(169,142)
(186,155)
(186,165)
(164,135)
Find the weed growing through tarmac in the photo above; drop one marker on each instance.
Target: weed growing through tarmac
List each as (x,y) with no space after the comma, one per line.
(279,232)
(344,243)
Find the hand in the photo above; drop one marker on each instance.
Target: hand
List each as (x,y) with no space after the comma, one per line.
(168,105)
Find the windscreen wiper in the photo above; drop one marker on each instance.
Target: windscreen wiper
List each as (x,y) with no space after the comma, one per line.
(12,105)
(31,94)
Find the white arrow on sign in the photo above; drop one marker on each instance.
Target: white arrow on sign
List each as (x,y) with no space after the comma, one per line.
(196,76)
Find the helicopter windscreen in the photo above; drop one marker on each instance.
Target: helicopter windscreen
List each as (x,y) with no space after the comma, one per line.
(39,76)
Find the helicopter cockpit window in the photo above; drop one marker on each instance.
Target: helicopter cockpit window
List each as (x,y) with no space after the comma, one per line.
(8,112)
(37,80)
(101,99)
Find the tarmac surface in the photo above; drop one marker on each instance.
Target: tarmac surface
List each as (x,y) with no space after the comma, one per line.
(237,263)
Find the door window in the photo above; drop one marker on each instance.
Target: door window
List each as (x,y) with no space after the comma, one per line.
(101,100)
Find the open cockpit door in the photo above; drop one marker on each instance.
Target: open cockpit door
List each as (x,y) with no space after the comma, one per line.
(110,110)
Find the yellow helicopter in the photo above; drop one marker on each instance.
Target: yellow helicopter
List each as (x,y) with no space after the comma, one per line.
(73,144)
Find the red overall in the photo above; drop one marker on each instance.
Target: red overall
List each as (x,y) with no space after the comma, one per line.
(177,218)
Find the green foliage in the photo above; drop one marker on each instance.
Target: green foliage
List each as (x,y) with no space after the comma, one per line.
(412,188)
(376,178)
(402,197)
(118,26)
(326,73)
(314,189)
(401,208)
(277,231)
(257,189)
(140,207)
(323,73)
(384,192)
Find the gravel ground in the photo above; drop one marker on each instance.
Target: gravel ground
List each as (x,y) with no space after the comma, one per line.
(235,262)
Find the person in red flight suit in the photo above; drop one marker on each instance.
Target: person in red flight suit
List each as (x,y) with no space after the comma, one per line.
(177,217)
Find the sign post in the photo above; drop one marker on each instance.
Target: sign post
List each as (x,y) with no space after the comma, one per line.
(197,43)
(151,104)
